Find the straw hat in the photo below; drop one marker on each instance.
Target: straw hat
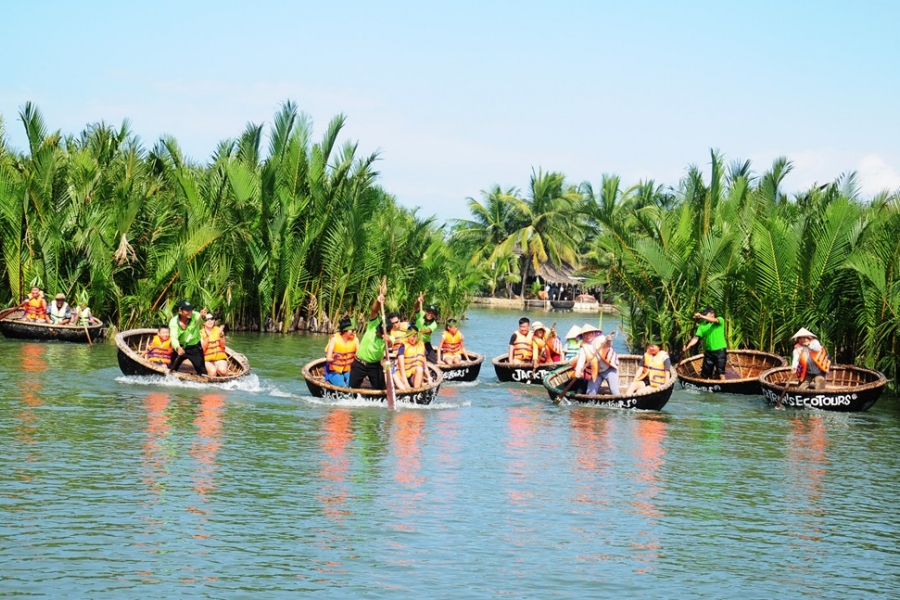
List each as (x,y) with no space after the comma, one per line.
(574,332)
(590,328)
(804,332)
(538,325)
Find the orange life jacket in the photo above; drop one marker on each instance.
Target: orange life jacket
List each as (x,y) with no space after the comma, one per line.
(522,350)
(35,309)
(159,351)
(820,359)
(610,357)
(413,356)
(655,367)
(541,350)
(215,348)
(555,349)
(591,366)
(342,353)
(451,343)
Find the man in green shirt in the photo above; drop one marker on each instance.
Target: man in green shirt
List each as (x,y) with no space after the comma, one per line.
(371,351)
(712,332)
(185,327)
(426,323)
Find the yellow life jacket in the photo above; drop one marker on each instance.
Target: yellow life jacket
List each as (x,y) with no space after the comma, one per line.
(820,359)
(541,350)
(35,309)
(342,353)
(159,351)
(522,350)
(413,356)
(215,349)
(656,368)
(451,343)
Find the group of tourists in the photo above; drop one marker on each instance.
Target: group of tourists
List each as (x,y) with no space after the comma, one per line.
(535,344)
(349,361)
(190,335)
(58,312)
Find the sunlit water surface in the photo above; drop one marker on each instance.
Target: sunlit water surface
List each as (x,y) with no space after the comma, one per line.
(114,486)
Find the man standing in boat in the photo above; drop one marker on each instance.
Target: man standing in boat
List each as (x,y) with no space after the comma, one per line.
(811,361)
(426,322)
(712,332)
(185,329)
(371,350)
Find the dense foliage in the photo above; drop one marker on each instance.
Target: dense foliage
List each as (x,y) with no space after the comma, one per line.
(302,232)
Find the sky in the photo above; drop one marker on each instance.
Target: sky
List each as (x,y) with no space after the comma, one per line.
(457,97)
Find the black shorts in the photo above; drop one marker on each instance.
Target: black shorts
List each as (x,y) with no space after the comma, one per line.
(713,360)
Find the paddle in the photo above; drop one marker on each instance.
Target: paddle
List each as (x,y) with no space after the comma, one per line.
(390,393)
(778,402)
(569,385)
(7,312)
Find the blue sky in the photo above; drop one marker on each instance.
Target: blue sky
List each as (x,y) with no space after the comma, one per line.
(459,96)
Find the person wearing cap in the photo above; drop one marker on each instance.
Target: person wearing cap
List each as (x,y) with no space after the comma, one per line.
(411,370)
(35,306)
(212,340)
(185,329)
(59,311)
(367,363)
(656,369)
(810,361)
(712,332)
(520,344)
(573,343)
(451,349)
(339,354)
(426,323)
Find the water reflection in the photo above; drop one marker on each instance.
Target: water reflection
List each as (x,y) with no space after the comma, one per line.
(335,463)
(205,447)
(807,461)
(521,425)
(32,364)
(155,454)
(408,437)
(650,433)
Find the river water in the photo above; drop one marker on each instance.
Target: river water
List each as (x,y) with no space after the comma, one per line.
(126,488)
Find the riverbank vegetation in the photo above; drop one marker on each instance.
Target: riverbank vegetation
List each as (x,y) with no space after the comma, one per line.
(296,232)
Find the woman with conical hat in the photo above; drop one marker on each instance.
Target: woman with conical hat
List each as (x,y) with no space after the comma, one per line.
(810,361)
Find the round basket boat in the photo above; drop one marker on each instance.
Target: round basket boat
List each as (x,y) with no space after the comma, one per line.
(15,326)
(133,342)
(314,373)
(629,366)
(742,372)
(467,370)
(847,389)
(523,372)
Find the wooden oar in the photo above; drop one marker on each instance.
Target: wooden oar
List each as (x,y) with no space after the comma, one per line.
(569,385)
(88,334)
(778,402)
(7,312)
(390,393)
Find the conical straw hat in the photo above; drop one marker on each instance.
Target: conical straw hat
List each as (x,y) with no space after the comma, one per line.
(588,328)
(574,332)
(804,332)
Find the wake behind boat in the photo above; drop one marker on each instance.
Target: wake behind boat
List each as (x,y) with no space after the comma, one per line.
(742,372)
(629,366)
(467,370)
(847,389)
(14,326)
(133,342)
(314,374)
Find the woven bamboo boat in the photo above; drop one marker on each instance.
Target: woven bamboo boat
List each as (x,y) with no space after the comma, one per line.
(629,366)
(133,342)
(14,326)
(467,370)
(314,374)
(522,372)
(741,372)
(847,389)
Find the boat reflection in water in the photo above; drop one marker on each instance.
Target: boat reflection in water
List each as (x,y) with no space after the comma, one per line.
(807,461)
(205,447)
(650,433)
(32,363)
(156,456)
(335,464)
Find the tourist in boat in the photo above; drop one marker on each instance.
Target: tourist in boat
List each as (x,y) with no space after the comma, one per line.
(712,332)
(555,348)
(59,310)
(82,314)
(397,330)
(339,354)
(370,352)
(541,353)
(656,369)
(573,343)
(450,350)
(35,306)
(426,322)
(159,351)
(607,361)
(520,344)
(212,340)
(185,329)
(586,365)
(410,371)
(811,361)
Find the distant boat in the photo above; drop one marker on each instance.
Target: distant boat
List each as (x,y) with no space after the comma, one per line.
(629,366)
(847,389)
(314,374)
(562,304)
(467,370)
(133,342)
(14,326)
(522,372)
(742,371)
(585,303)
